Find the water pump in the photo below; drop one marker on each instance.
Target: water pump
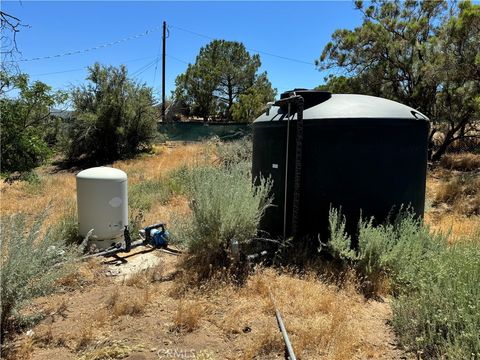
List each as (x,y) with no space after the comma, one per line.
(155,235)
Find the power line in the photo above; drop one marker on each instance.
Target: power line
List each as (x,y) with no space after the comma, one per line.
(177,59)
(145,33)
(60,72)
(157,59)
(76,52)
(250,49)
(86,66)
(145,68)
(191,32)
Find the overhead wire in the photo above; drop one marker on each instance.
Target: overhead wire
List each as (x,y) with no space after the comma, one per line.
(86,66)
(155,60)
(145,33)
(144,68)
(75,52)
(177,59)
(250,49)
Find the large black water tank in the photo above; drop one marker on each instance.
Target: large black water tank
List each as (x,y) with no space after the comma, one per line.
(363,154)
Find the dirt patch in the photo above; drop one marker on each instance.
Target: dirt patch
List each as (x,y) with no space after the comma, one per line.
(126,265)
(152,315)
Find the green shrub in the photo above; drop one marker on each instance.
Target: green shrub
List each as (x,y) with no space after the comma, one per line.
(225,207)
(437,297)
(441,317)
(234,152)
(25,120)
(340,243)
(66,230)
(115,117)
(413,244)
(31,262)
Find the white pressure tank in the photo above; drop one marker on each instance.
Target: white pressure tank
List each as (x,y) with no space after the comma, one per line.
(102,204)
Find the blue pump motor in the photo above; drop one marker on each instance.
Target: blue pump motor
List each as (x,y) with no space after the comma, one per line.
(159,238)
(156,235)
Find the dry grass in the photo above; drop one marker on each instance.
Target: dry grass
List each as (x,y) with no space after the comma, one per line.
(86,336)
(461,161)
(127,304)
(132,307)
(457,225)
(455,202)
(462,193)
(141,279)
(83,274)
(16,198)
(22,196)
(110,350)
(320,318)
(188,315)
(323,321)
(23,351)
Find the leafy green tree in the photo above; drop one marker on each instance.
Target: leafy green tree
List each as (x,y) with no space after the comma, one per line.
(222,73)
(114,117)
(26,121)
(195,87)
(423,54)
(349,85)
(252,102)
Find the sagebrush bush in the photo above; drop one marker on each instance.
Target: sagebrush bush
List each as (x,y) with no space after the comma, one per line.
(234,152)
(440,316)
(32,260)
(225,206)
(66,229)
(437,297)
(340,243)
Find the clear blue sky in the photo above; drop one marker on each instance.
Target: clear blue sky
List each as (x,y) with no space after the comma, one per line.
(297,30)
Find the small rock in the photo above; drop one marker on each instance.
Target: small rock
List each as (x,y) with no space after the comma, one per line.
(247,329)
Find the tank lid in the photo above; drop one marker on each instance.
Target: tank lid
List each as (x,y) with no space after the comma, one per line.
(310,97)
(102,173)
(349,106)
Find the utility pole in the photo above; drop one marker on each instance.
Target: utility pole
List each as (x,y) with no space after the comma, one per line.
(164,38)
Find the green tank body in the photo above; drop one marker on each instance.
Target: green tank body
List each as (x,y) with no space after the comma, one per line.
(363,154)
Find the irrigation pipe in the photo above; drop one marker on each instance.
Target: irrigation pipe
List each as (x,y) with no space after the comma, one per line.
(289,354)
